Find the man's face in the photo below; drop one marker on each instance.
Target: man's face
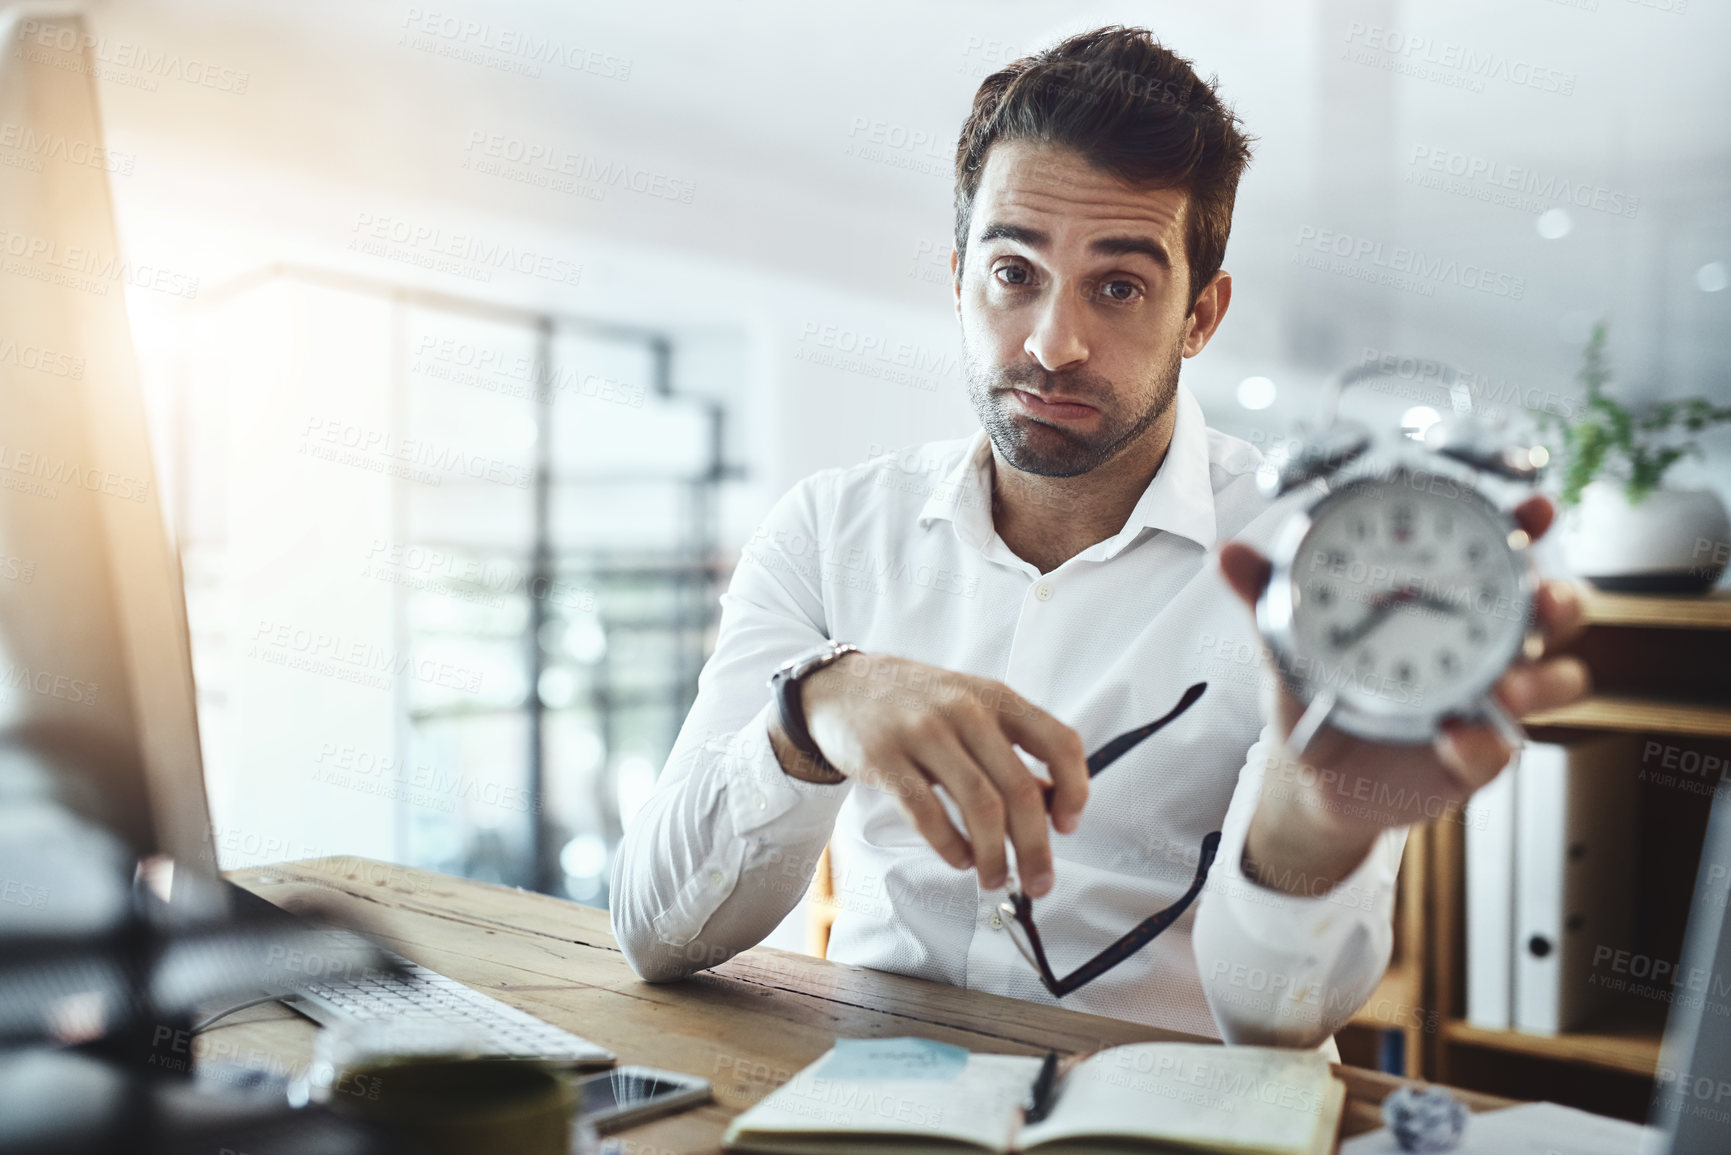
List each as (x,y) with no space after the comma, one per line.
(1075,308)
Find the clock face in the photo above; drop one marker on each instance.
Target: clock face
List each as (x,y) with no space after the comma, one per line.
(1407,595)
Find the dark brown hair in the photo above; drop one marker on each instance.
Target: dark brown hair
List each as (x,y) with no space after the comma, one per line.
(1134,109)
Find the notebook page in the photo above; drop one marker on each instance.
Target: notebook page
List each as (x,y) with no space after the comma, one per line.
(1240,1099)
(978,1104)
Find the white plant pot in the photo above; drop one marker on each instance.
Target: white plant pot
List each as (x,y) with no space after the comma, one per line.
(1674,541)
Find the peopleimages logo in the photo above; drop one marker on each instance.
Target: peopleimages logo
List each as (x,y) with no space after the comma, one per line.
(898,146)
(874,355)
(528,161)
(353,660)
(465,253)
(40,360)
(1364,258)
(515,374)
(134,65)
(46,472)
(1448,63)
(85,269)
(1518,186)
(1421,379)
(346,443)
(49,145)
(49,685)
(503,48)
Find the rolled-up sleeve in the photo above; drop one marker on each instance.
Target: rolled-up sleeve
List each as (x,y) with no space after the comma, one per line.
(1289,970)
(726,845)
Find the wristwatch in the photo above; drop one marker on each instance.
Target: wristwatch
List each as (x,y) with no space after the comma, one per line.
(785,682)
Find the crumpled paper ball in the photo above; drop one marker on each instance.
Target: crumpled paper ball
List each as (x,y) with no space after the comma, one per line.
(1426,1119)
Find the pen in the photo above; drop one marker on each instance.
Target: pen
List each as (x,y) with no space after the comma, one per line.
(1039,1100)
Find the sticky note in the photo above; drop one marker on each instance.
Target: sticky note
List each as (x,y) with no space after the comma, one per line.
(858,1060)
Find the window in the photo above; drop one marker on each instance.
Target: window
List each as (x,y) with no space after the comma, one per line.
(452,571)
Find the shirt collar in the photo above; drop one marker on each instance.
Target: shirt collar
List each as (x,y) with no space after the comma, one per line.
(1179,500)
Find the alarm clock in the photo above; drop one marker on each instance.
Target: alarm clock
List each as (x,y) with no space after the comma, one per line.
(1401,588)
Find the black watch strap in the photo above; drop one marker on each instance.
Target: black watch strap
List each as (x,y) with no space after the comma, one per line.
(786,683)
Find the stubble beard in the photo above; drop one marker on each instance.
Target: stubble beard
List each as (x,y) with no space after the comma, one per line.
(1048,450)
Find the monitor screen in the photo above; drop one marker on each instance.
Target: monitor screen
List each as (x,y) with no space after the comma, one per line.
(96,692)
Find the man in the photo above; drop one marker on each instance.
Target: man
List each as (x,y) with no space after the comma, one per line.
(1023,596)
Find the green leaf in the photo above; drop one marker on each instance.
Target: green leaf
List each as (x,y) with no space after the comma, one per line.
(1609,438)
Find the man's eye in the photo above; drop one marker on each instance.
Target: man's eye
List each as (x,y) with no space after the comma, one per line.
(1012,274)
(1120,291)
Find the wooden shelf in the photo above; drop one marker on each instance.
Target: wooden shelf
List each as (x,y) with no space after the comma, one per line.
(1630,1046)
(1629,713)
(1710,611)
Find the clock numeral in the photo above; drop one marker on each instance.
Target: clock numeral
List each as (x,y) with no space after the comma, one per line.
(1400,520)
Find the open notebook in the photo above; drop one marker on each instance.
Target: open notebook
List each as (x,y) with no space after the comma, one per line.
(915,1095)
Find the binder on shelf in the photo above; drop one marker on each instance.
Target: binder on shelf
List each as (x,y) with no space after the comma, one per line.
(1490,882)
(1574,886)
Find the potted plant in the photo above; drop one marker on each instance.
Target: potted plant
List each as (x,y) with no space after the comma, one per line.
(1623,528)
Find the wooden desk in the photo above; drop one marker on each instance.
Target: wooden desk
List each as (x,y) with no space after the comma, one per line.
(746,1026)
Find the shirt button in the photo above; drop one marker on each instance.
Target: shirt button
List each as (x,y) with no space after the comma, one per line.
(997,921)
(1043,592)
(762,802)
(715,878)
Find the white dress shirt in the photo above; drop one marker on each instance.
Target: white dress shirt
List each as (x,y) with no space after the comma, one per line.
(899,557)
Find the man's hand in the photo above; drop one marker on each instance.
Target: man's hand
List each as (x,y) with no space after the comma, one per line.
(1315,827)
(909,729)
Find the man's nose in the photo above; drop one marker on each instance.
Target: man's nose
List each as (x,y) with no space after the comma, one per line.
(1057,341)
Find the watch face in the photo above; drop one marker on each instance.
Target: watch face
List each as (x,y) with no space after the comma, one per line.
(1407,596)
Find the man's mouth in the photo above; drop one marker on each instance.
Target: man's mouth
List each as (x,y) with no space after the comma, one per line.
(1053,408)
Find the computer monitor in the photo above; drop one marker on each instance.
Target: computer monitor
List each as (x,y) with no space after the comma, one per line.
(96,688)
(1692,1093)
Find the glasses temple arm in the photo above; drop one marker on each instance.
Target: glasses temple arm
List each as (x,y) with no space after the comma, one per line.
(1130,739)
(1137,936)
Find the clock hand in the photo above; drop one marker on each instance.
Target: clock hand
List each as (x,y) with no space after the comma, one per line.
(1380,608)
(1392,598)
(1440,605)
(1417,597)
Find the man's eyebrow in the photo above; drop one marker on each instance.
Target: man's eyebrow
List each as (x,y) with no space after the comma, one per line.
(1123,246)
(1105,246)
(1033,238)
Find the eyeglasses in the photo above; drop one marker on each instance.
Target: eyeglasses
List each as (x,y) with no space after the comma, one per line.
(1020,908)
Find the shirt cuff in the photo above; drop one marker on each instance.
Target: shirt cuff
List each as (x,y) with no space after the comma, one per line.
(760,792)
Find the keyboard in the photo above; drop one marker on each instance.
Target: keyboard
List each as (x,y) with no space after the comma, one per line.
(503,1031)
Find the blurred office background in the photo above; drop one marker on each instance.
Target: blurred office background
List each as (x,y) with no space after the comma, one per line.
(478,337)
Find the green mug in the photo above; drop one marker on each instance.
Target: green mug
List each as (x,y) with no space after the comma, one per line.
(455,1106)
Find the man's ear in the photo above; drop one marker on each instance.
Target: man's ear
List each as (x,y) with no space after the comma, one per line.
(1207,313)
(956,279)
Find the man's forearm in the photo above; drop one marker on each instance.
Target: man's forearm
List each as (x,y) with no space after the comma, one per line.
(1288,840)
